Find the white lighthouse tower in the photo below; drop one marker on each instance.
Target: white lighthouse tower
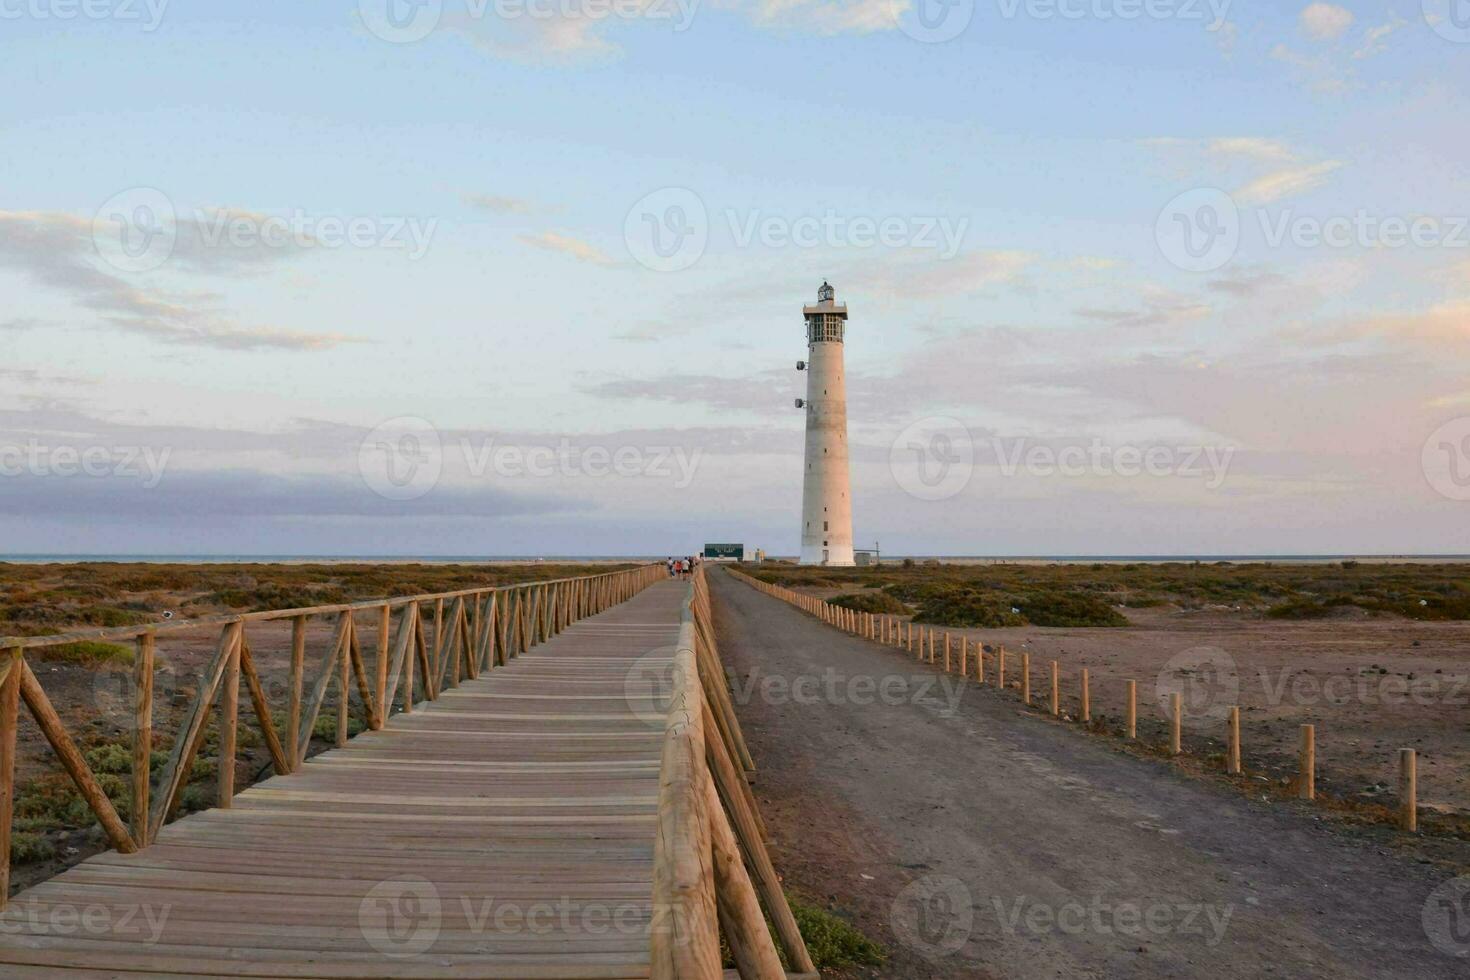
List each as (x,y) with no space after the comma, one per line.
(826,501)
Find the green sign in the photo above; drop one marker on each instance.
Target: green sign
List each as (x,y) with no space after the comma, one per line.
(727,552)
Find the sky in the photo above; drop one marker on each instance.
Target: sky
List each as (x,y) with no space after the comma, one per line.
(462,277)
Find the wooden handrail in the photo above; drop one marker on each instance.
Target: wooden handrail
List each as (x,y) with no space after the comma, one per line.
(712,872)
(476,637)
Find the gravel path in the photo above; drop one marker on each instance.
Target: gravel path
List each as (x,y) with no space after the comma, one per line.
(976,840)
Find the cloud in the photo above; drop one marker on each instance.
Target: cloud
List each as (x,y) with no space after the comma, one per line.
(1375,38)
(1325,21)
(766,393)
(56,251)
(1251,147)
(575,247)
(21,323)
(1285,183)
(243,494)
(1158,312)
(1246,283)
(500,205)
(645,333)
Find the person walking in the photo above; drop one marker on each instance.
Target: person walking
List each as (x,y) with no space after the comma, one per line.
(670,564)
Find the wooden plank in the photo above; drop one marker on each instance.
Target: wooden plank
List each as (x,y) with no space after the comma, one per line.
(229,717)
(262,708)
(298,679)
(10,671)
(143,657)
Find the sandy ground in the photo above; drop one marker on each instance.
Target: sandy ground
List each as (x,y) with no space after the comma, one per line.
(1370,686)
(976,839)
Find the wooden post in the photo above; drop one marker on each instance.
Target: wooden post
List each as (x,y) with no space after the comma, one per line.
(741,920)
(1232,758)
(298,676)
(1307,785)
(980,661)
(1176,723)
(229,718)
(1131,720)
(1000,668)
(9,717)
(964,656)
(1408,790)
(1025,678)
(345,697)
(947,666)
(142,737)
(1086,715)
(1056,689)
(385,615)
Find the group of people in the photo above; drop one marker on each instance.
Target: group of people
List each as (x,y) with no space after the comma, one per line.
(682,567)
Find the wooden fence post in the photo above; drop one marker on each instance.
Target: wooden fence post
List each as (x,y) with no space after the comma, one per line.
(9,717)
(1026,678)
(1056,689)
(1000,668)
(142,737)
(1232,763)
(1130,721)
(1176,723)
(1408,790)
(229,726)
(1086,699)
(1307,784)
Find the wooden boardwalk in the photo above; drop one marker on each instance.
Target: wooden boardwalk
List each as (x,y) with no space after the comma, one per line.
(505,830)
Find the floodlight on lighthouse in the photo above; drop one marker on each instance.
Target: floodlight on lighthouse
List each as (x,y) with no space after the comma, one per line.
(801,365)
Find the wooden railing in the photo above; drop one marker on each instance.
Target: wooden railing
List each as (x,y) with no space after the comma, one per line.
(474,630)
(712,872)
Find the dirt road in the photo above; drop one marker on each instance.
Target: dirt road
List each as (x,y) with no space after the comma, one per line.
(974,840)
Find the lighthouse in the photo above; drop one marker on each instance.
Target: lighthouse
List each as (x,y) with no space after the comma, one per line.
(826,499)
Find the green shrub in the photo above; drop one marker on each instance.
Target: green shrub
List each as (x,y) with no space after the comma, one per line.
(25,848)
(872,602)
(832,942)
(87,653)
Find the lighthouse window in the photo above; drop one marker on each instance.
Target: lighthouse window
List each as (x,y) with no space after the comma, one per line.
(824,525)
